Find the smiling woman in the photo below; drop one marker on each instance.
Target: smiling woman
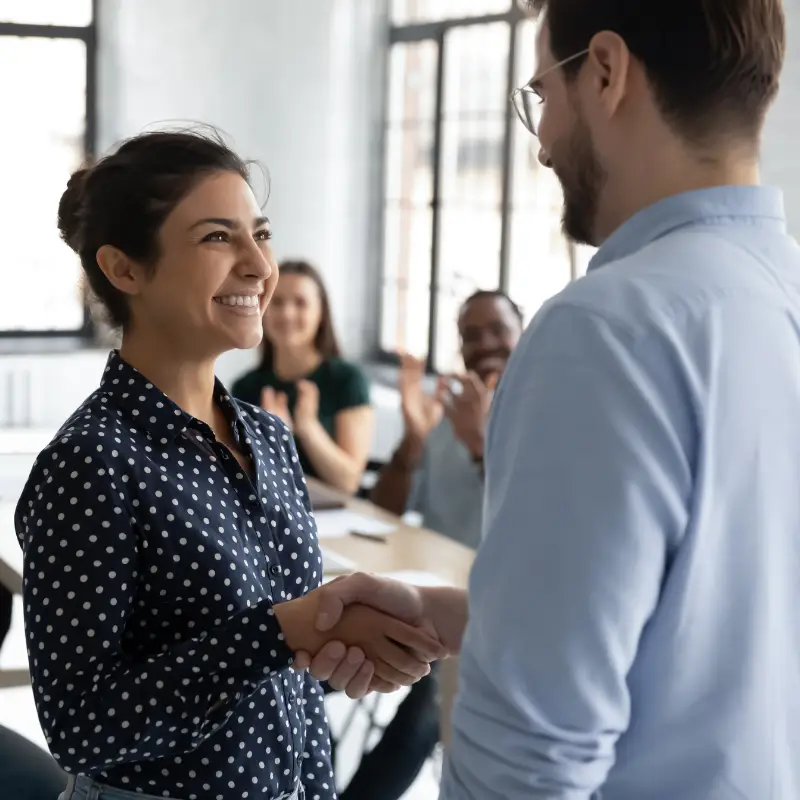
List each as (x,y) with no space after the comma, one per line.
(171,555)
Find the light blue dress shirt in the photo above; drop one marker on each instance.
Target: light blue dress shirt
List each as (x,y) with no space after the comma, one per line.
(634,623)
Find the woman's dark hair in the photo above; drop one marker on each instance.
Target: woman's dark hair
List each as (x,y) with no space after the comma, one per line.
(125,197)
(325,340)
(714,65)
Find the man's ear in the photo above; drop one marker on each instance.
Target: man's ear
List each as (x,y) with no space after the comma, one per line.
(609,61)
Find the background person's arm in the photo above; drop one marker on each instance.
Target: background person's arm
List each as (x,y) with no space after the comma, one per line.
(588,480)
(397,481)
(339,462)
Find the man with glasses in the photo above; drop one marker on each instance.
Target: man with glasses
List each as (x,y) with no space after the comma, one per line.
(633,623)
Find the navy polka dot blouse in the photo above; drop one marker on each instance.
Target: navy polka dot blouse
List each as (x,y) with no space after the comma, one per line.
(152,563)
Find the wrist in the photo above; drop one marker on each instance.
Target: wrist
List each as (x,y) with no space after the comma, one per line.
(446,608)
(409,453)
(297,621)
(306,429)
(474,444)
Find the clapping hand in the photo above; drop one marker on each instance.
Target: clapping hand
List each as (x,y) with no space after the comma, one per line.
(467,408)
(306,409)
(277,404)
(421,411)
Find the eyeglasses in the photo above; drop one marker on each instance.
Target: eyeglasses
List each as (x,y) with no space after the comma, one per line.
(527,100)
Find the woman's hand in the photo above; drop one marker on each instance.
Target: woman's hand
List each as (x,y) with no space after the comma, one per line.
(345,669)
(276,403)
(306,409)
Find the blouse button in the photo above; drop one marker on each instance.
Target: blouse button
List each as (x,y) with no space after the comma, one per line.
(275,569)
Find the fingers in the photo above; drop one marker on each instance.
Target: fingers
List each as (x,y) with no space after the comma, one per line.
(336,595)
(472,382)
(360,685)
(426,646)
(302,661)
(327,660)
(348,668)
(402,660)
(388,672)
(492,380)
(442,393)
(383,687)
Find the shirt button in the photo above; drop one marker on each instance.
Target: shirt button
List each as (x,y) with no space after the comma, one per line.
(275,569)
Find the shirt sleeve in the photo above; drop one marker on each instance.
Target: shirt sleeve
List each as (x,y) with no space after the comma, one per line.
(80,578)
(353,388)
(587,489)
(317,771)
(248,388)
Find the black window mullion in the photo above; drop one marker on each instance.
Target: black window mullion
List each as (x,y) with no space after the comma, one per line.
(507,167)
(436,203)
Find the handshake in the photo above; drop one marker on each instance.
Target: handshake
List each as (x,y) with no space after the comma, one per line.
(366,634)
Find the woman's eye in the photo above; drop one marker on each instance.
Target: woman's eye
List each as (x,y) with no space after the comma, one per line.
(216,236)
(263,235)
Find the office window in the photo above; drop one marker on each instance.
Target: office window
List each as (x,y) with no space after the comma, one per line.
(46,134)
(408,11)
(466,204)
(540,261)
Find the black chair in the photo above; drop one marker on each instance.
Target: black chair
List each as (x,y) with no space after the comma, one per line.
(368,479)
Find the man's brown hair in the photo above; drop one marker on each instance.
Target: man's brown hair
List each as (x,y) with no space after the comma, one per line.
(714,65)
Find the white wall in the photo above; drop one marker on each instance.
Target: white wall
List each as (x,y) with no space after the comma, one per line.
(781,152)
(297,85)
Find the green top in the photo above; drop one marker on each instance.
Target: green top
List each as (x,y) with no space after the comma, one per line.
(341,384)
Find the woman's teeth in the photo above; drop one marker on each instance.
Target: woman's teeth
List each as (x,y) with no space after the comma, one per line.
(250,301)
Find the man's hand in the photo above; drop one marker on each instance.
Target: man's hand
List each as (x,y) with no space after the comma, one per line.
(421,412)
(468,409)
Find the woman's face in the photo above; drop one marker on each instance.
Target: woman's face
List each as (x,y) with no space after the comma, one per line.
(216,272)
(295,312)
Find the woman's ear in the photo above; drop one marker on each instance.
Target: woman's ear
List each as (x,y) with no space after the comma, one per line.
(122,273)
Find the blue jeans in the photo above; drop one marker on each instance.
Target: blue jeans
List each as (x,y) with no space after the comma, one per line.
(83,788)
(26,771)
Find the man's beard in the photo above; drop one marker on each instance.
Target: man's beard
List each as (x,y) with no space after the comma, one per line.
(582,182)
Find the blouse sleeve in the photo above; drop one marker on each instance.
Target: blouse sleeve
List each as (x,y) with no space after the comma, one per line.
(354,388)
(81,568)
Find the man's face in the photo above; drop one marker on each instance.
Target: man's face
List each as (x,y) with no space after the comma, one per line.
(567,146)
(490,329)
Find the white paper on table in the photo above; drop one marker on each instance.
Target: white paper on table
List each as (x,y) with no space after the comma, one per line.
(338,522)
(333,564)
(416,578)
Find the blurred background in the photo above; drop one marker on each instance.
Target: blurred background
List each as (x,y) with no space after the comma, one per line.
(395,164)
(394,159)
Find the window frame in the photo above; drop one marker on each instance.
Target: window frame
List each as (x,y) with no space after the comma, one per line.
(437,31)
(88,35)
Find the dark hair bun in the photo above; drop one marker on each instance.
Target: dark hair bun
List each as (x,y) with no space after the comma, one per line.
(71,209)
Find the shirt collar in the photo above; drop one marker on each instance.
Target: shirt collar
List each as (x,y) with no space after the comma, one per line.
(761,206)
(160,417)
